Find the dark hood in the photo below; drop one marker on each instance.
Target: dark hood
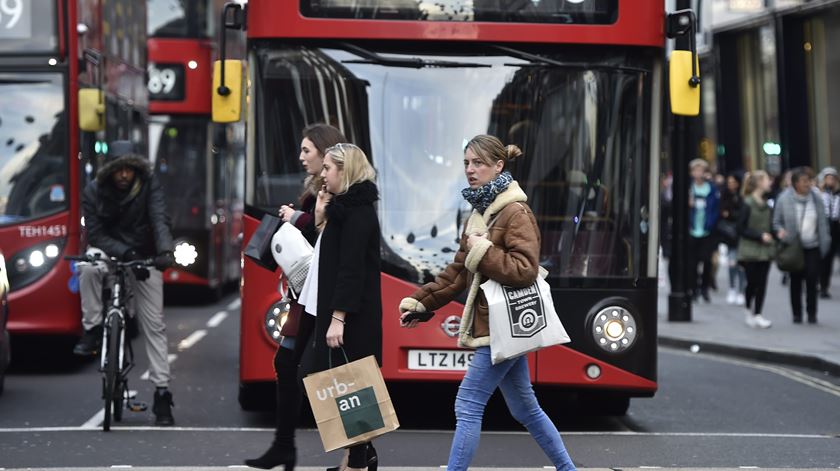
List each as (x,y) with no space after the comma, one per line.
(360,194)
(140,164)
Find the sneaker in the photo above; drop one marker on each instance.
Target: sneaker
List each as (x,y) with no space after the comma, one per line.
(761,322)
(825,295)
(163,408)
(731,296)
(750,319)
(90,343)
(740,300)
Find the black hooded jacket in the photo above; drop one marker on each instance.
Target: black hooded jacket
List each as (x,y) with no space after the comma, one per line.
(136,219)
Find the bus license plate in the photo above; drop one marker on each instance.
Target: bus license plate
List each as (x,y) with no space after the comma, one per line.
(448,360)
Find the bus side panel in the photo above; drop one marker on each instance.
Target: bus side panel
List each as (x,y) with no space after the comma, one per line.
(30,311)
(562,366)
(258,293)
(633,27)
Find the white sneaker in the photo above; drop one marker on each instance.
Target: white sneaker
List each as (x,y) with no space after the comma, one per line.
(740,300)
(731,297)
(750,319)
(761,322)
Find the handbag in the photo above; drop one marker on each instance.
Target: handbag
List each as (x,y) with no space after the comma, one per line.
(727,231)
(522,320)
(790,255)
(258,248)
(292,252)
(350,403)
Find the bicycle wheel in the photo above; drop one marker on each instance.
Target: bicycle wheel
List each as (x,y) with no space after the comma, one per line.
(112,367)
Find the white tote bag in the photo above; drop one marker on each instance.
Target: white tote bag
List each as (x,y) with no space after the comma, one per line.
(293,253)
(522,320)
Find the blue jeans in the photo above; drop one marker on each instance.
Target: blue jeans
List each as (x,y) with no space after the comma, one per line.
(514,379)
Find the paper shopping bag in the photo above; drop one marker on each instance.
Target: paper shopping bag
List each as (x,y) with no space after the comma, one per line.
(350,403)
(522,320)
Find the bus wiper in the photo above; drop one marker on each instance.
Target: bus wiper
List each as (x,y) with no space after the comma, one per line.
(371,57)
(538,60)
(22,81)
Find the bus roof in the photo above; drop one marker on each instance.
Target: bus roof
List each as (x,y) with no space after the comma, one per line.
(638,23)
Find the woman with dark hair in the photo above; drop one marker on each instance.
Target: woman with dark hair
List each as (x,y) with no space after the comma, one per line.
(501,242)
(731,202)
(315,140)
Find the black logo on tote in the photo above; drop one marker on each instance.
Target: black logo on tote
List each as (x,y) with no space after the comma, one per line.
(525,309)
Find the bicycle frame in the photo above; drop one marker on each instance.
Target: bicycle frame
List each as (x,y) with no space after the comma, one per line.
(117,307)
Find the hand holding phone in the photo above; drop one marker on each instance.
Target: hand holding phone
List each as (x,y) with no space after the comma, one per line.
(419,316)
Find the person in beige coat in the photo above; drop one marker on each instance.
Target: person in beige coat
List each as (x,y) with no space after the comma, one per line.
(501,242)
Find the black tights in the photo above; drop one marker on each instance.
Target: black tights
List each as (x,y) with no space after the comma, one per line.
(756,284)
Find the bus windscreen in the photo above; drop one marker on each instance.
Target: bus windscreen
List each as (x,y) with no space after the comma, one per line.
(499,11)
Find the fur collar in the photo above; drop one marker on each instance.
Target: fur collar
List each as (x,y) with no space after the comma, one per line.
(142,166)
(360,194)
(513,194)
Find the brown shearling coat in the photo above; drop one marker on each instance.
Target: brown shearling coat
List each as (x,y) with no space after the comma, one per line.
(510,256)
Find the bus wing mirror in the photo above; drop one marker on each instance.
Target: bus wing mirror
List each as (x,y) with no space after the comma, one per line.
(91,110)
(227,98)
(684,85)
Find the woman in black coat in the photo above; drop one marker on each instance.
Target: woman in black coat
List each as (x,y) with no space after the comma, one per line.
(346,297)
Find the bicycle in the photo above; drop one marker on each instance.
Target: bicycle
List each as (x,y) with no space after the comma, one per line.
(116,355)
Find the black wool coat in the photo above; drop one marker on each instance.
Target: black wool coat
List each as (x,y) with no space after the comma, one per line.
(348,280)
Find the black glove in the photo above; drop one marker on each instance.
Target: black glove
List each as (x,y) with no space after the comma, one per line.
(131,255)
(164,260)
(140,273)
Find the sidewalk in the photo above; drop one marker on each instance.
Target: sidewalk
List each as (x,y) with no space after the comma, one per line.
(719,327)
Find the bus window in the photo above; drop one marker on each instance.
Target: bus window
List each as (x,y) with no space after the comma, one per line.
(28,25)
(580,129)
(33,141)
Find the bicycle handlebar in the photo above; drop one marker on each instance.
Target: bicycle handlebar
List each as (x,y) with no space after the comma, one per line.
(113,261)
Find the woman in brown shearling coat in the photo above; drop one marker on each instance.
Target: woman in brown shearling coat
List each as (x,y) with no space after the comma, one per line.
(501,242)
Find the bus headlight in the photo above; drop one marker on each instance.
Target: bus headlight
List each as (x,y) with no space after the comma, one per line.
(275,317)
(614,329)
(27,266)
(185,254)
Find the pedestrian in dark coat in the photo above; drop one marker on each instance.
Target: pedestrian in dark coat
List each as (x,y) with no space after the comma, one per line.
(342,288)
(315,140)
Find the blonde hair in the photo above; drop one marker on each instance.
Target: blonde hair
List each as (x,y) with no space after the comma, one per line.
(353,164)
(751,181)
(698,163)
(491,150)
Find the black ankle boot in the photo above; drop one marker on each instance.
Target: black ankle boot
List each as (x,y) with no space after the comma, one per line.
(275,456)
(372,460)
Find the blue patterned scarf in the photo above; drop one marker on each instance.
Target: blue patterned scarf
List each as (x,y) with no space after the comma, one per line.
(483,196)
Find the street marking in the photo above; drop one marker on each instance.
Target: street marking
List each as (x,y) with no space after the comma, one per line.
(271,429)
(172,357)
(234,305)
(120,465)
(95,421)
(217,319)
(792,375)
(191,340)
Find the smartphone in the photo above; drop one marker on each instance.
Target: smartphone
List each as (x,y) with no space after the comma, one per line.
(420,316)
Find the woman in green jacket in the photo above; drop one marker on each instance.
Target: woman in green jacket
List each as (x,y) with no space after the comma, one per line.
(756,244)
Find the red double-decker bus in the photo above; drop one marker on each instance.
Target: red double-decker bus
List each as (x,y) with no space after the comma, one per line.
(71,80)
(577,85)
(200,163)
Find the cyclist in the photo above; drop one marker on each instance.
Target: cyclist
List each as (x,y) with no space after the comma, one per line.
(125,217)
